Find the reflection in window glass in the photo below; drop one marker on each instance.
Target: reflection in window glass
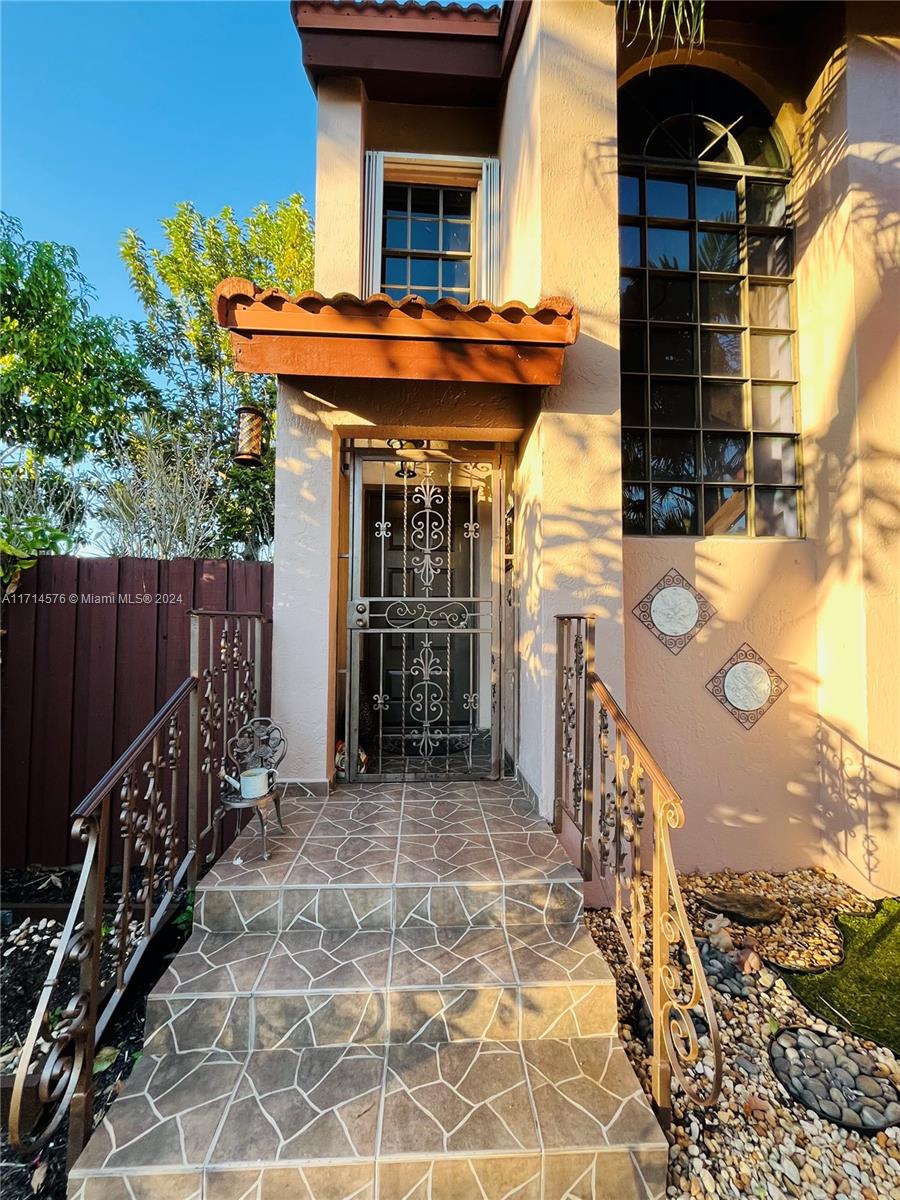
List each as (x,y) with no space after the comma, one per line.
(776,513)
(634,455)
(773,408)
(721,353)
(666,198)
(673,402)
(631,296)
(427,241)
(629,195)
(718,250)
(674,510)
(672,298)
(770,356)
(630,246)
(724,458)
(723,406)
(720,301)
(634,508)
(669,249)
(769,254)
(724,510)
(634,400)
(770,306)
(672,351)
(632,348)
(673,455)
(766,204)
(716,201)
(774,460)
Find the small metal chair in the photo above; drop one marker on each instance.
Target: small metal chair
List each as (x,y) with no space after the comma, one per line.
(259,743)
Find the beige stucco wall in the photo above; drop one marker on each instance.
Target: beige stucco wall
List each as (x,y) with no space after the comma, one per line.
(340,146)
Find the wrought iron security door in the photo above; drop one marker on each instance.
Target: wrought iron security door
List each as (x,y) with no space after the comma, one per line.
(424,616)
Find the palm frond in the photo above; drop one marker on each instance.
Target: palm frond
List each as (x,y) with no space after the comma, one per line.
(682,20)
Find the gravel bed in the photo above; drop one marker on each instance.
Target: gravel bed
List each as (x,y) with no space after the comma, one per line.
(757,1141)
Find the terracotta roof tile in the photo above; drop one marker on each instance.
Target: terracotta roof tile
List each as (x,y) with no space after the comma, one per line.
(408,10)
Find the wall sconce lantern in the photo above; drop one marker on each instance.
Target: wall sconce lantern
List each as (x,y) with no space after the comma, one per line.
(249,442)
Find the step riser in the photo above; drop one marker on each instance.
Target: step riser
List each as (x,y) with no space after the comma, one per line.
(614,1174)
(500,1013)
(279,910)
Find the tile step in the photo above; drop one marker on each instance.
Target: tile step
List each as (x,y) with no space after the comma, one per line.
(531,1119)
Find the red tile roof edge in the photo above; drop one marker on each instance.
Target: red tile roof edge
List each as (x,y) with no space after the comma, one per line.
(545,311)
(431,8)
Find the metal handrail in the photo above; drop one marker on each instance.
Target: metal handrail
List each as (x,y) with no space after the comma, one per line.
(607,782)
(159,857)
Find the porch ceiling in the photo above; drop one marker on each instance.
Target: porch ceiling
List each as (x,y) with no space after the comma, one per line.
(380,338)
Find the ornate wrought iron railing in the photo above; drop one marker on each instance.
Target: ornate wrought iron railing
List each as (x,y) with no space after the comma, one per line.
(623,809)
(143,827)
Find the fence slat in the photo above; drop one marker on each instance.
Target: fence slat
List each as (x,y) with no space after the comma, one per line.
(81,680)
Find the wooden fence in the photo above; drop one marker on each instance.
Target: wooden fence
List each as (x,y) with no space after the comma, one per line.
(92,649)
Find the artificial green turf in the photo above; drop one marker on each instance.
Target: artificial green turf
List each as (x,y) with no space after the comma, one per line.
(862,994)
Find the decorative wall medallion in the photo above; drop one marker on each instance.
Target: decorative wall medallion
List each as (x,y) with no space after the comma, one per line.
(747,686)
(674,611)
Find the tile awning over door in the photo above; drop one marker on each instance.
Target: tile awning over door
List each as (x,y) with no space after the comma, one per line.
(380,338)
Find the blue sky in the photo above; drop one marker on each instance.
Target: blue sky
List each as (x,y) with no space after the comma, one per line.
(114,111)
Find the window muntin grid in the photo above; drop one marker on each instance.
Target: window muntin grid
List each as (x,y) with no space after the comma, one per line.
(709,374)
(427,236)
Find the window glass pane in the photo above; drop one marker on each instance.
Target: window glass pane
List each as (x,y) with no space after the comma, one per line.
(770,305)
(633,354)
(429,295)
(457,202)
(457,236)
(770,355)
(395,271)
(424,235)
(774,460)
(716,201)
(634,454)
(721,353)
(629,195)
(723,406)
(396,197)
(769,254)
(672,298)
(776,513)
(667,197)
(630,246)
(634,400)
(766,204)
(724,510)
(672,351)
(425,201)
(674,510)
(673,402)
(720,301)
(455,273)
(395,234)
(673,455)
(631,296)
(669,249)
(396,293)
(718,250)
(725,457)
(634,508)
(773,408)
(423,273)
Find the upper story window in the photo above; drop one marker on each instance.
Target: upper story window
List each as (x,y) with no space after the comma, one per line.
(427,241)
(432,226)
(708,355)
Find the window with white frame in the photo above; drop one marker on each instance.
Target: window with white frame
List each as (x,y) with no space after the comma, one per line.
(432,226)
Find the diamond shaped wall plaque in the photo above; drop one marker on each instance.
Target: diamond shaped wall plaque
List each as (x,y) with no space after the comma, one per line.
(747,686)
(674,611)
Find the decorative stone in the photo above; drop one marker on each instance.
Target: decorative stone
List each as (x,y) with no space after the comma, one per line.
(747,686)
(748,907)
(674,611)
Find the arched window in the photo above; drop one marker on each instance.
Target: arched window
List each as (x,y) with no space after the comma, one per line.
(709,428)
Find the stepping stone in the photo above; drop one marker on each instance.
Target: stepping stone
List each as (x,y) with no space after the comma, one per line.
(747,907)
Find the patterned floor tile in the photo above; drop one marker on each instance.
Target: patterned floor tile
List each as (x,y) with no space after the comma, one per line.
(501,1177)
(586,1094)
(380,793)
(548,903)
(460,1097)
(449,905)
(175,1024)
(363,818)
(345,860)
(216,962)
(446,858)
(592,1176)
(311,1104)
(451,789)
(173,1185)
(327,960)
(246,867)
(321,1019)
(168,1113)
(504,819)
(237,910)
(443,816)
(533,856)
(337,908)
(554,953)
(433,957)
(568,1010)
(345,1181)
(454,1014)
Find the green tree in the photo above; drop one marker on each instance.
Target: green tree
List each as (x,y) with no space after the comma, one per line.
(681,20)
(69,379)
(182,342)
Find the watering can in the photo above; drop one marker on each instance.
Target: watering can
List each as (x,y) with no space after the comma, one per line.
(254,783)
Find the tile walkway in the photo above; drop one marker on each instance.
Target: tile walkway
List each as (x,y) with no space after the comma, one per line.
(402,1003)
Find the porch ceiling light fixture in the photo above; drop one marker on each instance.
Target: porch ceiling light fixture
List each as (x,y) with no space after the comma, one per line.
(380,338)
(249,440)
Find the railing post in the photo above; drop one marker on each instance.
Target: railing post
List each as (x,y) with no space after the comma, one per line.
(562,626)
(590,731)
(194,756)
(660,1068)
